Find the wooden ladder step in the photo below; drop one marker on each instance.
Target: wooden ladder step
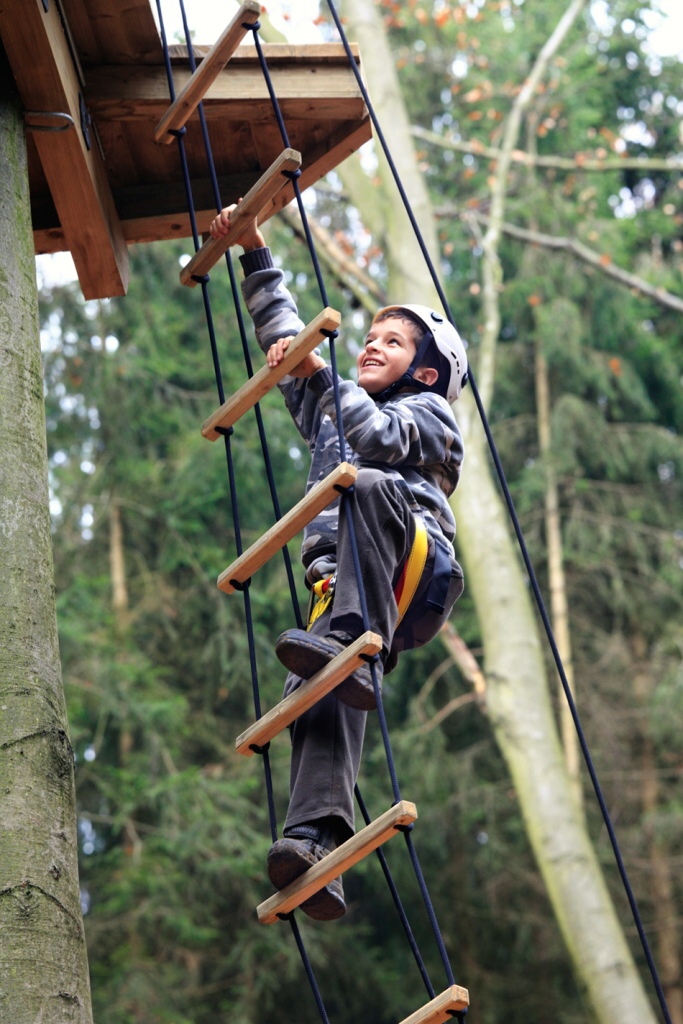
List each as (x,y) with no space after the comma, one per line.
(258,196)
(437,1011)
(266,378)
(189,98)
(318,498)
(308,694)
(345,856)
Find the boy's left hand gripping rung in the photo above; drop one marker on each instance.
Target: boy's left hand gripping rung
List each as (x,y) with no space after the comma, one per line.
(254,203)
(318,498)
(191,95)
(266,379)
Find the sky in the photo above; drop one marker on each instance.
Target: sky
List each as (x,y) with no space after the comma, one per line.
(208,18)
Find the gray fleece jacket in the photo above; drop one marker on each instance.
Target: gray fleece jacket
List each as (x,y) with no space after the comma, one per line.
(414,437)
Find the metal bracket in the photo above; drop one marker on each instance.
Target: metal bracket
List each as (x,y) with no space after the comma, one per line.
(86,120)
(53,114)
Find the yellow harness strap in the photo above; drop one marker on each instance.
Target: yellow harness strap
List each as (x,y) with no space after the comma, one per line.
(414,567)
(322,592)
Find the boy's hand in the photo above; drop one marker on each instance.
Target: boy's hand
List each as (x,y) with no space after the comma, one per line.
(249,238)
(309,365)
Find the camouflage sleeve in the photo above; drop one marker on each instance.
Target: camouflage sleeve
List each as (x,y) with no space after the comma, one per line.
(275,316)
(410,430)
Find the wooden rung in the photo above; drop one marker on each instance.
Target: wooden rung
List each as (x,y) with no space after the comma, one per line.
(436,1012)
(345,856)
(308,694)
(318,498)
(208,71)
(258,196)
(266,378)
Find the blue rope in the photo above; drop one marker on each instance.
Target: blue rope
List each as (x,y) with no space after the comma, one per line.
(520,538)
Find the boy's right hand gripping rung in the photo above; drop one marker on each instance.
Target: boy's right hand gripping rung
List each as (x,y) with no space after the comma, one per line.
(256,199)
(438,1011)
(318,498)
(308,694)
(335,863)
(266,379)
(191,95)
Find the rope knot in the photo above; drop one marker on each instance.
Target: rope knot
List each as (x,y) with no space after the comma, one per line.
(260,750)
(178,133)
(201,278)
(225,431)
(292,175)
(239,585)
(329,334)
(251,28)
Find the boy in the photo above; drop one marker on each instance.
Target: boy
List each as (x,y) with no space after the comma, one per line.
(401,434)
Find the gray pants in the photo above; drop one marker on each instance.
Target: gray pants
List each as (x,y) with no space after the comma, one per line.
(327,740)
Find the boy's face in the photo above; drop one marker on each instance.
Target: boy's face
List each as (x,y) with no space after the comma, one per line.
(389,351)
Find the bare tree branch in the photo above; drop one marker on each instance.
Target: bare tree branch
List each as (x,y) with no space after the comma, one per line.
(492,272)
(363,287)
(601,261)
(579,162)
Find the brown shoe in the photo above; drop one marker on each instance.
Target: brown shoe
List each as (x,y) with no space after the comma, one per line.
(305,654)
(288,858)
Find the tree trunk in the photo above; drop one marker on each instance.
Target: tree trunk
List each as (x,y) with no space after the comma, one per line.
(665,910)
(517,692)
(43,965)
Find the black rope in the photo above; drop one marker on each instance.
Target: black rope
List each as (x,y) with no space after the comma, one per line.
(520,538)
(347,501)
(397,901)
(227,435)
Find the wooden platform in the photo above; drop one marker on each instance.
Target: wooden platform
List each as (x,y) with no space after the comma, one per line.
(440,1009)
(128,188)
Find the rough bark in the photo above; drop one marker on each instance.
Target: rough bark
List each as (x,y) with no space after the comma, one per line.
(517,692)
(43,960)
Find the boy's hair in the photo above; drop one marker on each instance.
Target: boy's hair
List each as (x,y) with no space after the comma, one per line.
(432,356)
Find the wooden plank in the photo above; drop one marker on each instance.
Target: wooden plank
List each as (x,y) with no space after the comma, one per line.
(38,52)
(345,856)
(116,32)
(268,185)
(265,379)
(134,93)
(318,498)
(308,694)
(437,1011)
(189,98)
(279,53)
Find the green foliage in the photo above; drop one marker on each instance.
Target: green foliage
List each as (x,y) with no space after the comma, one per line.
(174,830)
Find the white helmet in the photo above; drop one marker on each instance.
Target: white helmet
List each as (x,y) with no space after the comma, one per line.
(447,341)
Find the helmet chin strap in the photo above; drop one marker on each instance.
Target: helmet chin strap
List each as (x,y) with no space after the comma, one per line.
(407,379)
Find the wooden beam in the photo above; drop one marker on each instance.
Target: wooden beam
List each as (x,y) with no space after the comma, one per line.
(345,856)
(189,98)
(308,694)
(268,185)
(265,379)
(318,498)
(47,77)
(438,1011)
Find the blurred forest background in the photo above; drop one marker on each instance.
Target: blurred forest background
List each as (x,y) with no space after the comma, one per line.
(587,406)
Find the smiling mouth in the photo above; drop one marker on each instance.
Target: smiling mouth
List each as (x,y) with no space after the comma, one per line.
(370,363)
